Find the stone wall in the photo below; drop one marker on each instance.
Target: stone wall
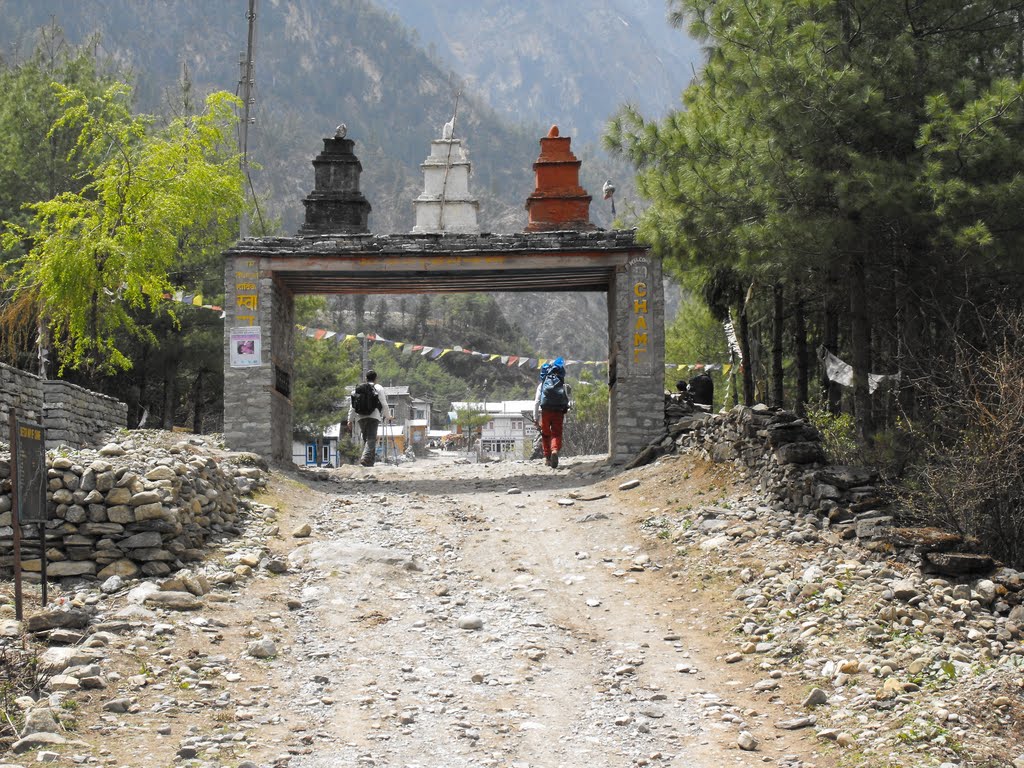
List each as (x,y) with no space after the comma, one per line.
(70,414)
(76,416)
(22,391)
(636,332)
(129,509)
(781,455)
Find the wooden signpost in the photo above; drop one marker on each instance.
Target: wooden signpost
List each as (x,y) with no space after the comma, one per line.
(28,494)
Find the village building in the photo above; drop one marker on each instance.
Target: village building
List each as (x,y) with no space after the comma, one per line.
(510,432)
(409,428)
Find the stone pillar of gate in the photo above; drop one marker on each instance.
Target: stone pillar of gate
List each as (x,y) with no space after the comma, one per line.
(259,338)
(636,360)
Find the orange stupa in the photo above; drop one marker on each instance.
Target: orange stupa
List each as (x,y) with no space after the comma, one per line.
(558,201)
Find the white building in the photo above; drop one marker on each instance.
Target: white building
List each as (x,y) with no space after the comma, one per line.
(412,418)
(510,432)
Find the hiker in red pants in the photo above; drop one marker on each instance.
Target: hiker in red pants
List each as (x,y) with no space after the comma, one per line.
(549,408)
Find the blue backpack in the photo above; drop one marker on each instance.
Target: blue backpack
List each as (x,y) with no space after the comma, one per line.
(553,395)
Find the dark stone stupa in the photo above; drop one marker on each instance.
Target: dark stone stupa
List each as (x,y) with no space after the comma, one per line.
(336,206)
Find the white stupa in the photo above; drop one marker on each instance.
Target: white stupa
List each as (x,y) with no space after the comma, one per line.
(446,205)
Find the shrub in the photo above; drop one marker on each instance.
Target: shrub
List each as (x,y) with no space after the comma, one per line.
(971,479)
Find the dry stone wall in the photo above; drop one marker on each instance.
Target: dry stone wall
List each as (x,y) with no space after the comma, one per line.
(782,456)
(130,508)
(71,415)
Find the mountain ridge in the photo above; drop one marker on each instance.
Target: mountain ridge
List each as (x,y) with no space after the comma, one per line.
(323,62)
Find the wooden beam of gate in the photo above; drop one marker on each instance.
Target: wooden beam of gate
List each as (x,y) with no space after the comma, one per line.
(360,264)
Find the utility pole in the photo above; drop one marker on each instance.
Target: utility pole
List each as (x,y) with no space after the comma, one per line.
(246,83)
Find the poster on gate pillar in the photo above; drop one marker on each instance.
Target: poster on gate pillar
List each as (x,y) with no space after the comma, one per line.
(245,346)
(640,311)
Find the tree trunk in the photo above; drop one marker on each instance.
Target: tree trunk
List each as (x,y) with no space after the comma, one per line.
(197,403)
(778,298)
(800,348)
(830,391)
(748,374)
(860,338)
(170,392)
(142,367)
(43,349)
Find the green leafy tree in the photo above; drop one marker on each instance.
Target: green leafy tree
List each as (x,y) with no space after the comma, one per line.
(695,336)
(34,156)
(861,158)
(471,421)
(586,426)
(155,197)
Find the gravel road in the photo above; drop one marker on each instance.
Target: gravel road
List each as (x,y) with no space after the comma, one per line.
(498,615)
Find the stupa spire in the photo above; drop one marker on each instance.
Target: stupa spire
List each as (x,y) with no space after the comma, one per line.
(446,204)
(558,201)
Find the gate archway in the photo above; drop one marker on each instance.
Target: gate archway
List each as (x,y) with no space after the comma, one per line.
(333,254)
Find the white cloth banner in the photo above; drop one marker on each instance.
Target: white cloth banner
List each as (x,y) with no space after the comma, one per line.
(842,373)
(730,337)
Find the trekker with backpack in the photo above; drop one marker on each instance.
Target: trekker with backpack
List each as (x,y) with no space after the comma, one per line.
(549,408)
(369,407)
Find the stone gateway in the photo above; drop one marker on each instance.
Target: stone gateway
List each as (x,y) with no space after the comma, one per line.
(335,253)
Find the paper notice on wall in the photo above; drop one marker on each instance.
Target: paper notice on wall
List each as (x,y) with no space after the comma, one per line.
(245,346)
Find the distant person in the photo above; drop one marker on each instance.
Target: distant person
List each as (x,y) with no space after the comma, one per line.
(702,390)
(549,408)
(369,407)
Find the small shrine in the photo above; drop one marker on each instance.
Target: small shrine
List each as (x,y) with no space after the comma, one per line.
(446,205)
(336,206)
(558,201)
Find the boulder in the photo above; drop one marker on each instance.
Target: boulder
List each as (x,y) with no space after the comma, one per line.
(800,453)
(957,563)
(792,432)
(175,601)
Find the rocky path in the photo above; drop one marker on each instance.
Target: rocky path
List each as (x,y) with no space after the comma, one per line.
(442,613)
(505,615)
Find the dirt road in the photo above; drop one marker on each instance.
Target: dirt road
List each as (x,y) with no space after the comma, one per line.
(507,615)
(443,613)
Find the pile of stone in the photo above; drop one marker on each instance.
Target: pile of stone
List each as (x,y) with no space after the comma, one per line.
(888,655)
(133,507)
(782,455)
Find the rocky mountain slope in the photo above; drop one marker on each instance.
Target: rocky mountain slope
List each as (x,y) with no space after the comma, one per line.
(322,62)
(572,62)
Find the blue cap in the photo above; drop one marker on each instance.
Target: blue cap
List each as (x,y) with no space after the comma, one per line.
(558,363)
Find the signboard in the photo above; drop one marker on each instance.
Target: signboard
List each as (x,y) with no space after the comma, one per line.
(245,346)
(639,275)
(31,480)
(28,476)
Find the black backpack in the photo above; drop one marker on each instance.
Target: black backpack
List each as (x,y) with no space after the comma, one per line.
(365,400)
(553,396)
